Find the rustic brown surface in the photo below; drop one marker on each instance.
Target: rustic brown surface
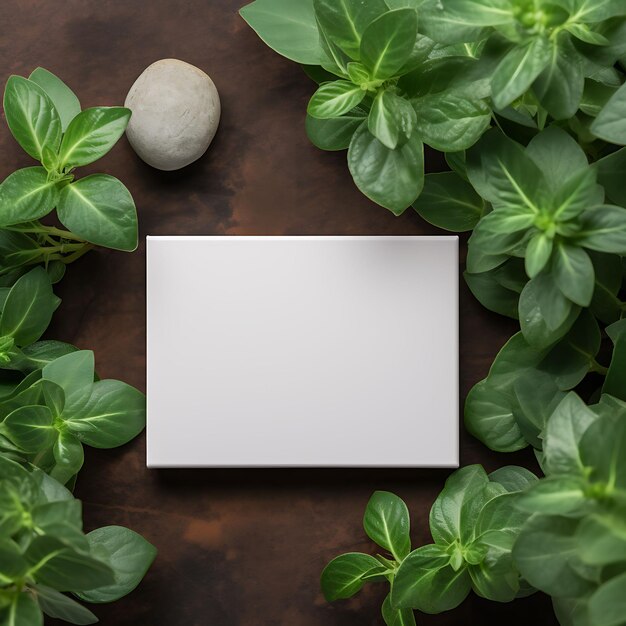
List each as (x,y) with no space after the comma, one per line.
(235,547)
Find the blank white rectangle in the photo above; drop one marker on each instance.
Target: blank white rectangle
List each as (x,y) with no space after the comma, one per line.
(302,351)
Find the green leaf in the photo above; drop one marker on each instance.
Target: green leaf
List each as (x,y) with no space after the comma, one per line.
(564,430)
(101,210)
(128,554)
(545,553)
(69,457)
(578,193)
(12,563)
(448,515)
(31,116)
(396,617)
(513,478)
(30,428)
(604,229)
(605,304)
(538,253)
(287,27)
(23,611)
(392,178)
(334,133)
(425,581)
(591,11)
(391,119)
(28,308)
(573,273)
(559,87)
(59,606)
(342,577)
(449,202)
(114,414)
(388,42)
(386,522)
(489,417)
(55,564)
(40,353)
(446,27)
(559,495)
(610,124)
(25,195)
(358,74)
(602,537)
(63,98)
(479,12)
(74,373)
(91,134)
(451,121)
(334,99)
(344,21)
(545,313)
(518,70)
(491,294)
(607,605)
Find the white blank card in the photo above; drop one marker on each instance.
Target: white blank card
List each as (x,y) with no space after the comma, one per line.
(302,351)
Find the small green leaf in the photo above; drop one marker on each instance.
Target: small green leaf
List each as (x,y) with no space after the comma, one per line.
(538,253)
(287,27)
(449,202)
(30,428)
(25,195)
(101,210)
(396,617)
(342,577)
(334,99)
(518,70)
(391,119)
(59,606)
(388,42)
(386,522)
(392,178)
(358,73)
(31,116)
(573,273)
(91,134)
(28,308)
(334,133)
(64,99)
(128,554)
(603,229)
(68,455)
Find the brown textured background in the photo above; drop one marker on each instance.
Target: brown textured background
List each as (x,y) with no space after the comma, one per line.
(246,546)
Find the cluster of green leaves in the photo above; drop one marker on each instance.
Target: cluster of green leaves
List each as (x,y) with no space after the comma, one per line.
(45,118)
(44,552)
(508,534)
(398,74)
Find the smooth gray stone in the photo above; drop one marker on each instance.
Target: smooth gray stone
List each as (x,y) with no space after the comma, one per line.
(176,111)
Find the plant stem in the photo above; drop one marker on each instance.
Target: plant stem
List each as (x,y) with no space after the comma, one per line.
(596,367)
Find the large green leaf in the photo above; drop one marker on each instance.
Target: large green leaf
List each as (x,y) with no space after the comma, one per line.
(31,116)
(27,194)
(91,134)
(128,554)
(64,99)
(489,291)
(23,611)
(30,428)
(451,122)
(344,21)
(425,581)
(518,70)
(449,202)
(114,414)
(392,178)
(388,42)
(607,605)
(55,564)
(610,124)
(287,27)
(342,577)
(555,495)
(334,99)
(101,210)
(603,229)
(386,522)
(28,307)
(602,537)
(74,373)
(480,12)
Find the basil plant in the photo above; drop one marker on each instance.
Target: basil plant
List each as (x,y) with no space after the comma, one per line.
(46,119)
(45,555)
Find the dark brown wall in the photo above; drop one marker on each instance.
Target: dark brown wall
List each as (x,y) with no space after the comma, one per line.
(235,547)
